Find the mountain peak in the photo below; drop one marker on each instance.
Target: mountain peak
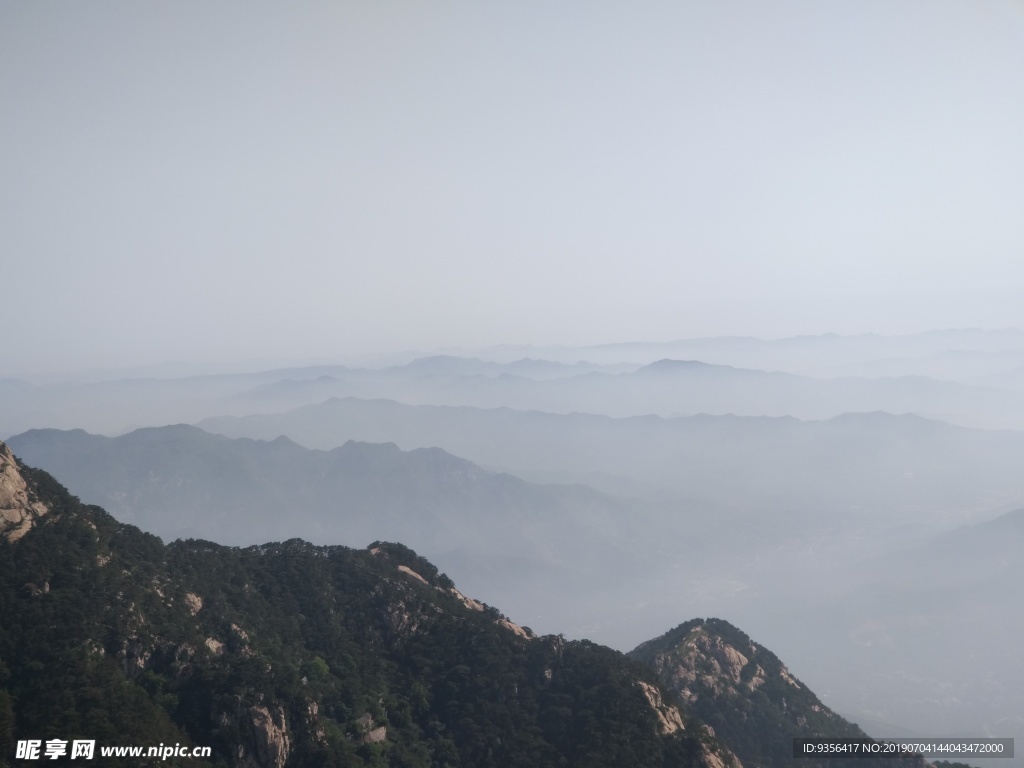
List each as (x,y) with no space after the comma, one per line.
(718,672)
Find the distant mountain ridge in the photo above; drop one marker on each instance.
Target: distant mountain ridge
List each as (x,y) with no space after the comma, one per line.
(223,488)
(972,378)
(666,387)
(863,460)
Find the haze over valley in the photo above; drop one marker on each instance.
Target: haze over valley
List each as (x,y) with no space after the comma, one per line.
(494,386)
(833,537)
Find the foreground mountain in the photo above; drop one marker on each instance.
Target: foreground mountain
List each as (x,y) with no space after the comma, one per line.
(289,654)
(294,654)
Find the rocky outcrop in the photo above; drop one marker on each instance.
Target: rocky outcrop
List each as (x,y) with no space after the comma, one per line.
(371,733)
(134,655)
(473,605)
(784,674)
(755,704)
(194,603)
(411,572)
(268,743)
(524,632)
(669,718)
(19,509)
(402,622)
(718,758)
(703,661)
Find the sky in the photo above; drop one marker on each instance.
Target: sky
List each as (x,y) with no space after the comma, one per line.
(226,181)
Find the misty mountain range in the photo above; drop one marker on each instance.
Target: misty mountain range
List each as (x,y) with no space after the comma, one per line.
(850,541)
(667,387)
(320,309)
(183,482)
(843,585)
(719,376)
(887,470)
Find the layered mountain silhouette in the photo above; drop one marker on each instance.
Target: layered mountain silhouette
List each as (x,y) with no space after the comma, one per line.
(509,538)
(183,480)
(667,387)
(970,378)
(864,467)
(816,535)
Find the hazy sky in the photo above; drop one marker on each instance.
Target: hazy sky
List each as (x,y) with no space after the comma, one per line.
(196,180)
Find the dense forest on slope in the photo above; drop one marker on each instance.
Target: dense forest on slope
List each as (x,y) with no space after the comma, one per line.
(293,654)
(299,654)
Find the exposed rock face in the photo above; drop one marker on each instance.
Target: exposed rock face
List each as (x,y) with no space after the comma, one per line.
(473,605)
(758,678)
(702,661)
(269,742)
(668,717)
(402,621)
(516,629)
(19,509)
(372,733)
(784,674)
(411,572)
(742,689)
(715,760)
(134,656)
(194,603)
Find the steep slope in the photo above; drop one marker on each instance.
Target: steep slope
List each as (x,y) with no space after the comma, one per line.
(292,653)
(20,507)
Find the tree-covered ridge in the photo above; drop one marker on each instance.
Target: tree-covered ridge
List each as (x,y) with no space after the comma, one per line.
(299,655)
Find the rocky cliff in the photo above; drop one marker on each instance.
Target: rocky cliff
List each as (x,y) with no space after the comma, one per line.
(19,507)
(743,692)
